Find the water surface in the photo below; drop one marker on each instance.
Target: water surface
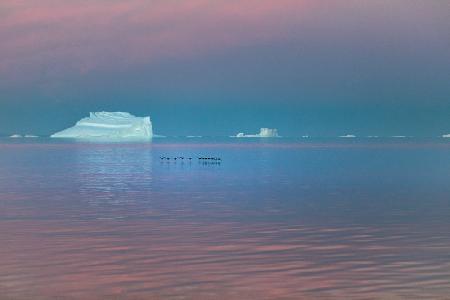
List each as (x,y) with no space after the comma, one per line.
(276,219)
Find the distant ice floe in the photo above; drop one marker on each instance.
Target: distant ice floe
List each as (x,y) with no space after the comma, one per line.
(305,136)
(446,135)
(373,136)
(263,133)
(16,136)
(399,136)
(194,136)
(112,125)
(348,136)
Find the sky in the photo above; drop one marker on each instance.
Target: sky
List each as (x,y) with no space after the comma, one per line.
(218,67)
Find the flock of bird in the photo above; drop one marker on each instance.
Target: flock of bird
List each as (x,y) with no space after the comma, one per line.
(190,158)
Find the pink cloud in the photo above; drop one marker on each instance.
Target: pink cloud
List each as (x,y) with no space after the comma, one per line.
(53,37)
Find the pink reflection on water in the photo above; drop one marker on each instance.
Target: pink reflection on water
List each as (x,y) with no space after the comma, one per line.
(149,259)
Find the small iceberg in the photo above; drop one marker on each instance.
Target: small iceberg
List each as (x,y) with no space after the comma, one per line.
(263,133)
(114,125)
(348,136)
(15,136)
(446,135)
(30,136)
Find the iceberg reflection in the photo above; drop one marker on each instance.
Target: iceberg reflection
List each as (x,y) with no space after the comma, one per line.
(110,173)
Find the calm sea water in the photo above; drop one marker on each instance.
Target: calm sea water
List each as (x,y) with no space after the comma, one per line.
(276,219)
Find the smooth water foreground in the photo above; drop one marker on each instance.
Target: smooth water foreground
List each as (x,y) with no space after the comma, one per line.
(278,219)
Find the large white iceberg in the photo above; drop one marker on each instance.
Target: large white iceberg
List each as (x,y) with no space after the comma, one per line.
(263,132)
(109,125)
